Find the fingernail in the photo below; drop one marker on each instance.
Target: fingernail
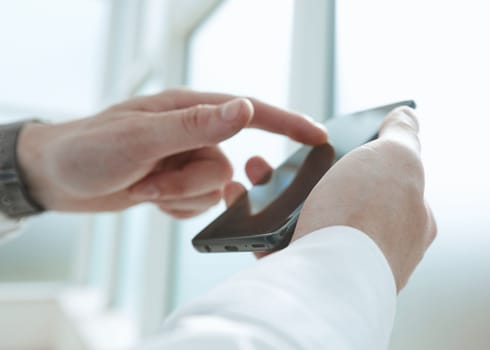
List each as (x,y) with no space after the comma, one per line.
(146,192)
(307,117)
(313,121)
(231,110)
(320,126)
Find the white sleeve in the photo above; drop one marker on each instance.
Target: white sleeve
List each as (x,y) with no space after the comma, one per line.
(332,289)
(8,228)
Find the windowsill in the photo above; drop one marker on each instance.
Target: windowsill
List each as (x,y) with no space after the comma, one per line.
(40,316)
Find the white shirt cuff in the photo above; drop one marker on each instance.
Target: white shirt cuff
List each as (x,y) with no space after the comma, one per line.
(330,289)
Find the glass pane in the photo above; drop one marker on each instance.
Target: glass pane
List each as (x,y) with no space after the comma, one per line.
(228,54)
(51,54)
(132,251)
(438,54)
(152,27)
(44,251)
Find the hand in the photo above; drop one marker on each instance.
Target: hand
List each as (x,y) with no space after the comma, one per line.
(161,148)
(379,189)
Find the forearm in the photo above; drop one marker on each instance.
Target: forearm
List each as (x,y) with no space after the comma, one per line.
(333,288)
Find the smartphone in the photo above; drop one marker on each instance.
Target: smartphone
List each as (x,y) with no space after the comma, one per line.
(264,218)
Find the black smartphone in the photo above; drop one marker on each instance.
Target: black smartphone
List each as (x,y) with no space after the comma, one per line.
(264,218)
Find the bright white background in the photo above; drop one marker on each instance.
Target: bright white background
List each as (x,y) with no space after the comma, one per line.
(436,53)
(55,47)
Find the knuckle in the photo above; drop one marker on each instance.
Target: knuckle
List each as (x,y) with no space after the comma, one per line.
(404,117)
(163,207)
(179,188)
(196,118)
(399,152)
(433,232)
(176,214)
(426,229)
(411,115)
(226,170)
(181,214)
(431,223)
(215,197)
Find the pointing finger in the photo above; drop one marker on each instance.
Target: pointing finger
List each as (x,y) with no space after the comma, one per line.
(163,134)
(266,117)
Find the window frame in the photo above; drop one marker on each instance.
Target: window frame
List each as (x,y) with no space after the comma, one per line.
(153,302)
(313,76)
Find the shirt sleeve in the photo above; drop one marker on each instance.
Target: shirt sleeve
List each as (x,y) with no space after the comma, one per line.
(332,289)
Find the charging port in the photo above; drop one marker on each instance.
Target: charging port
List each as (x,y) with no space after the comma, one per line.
(258,246)
(231,248)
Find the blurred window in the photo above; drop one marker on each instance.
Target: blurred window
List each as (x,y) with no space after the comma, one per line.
(50,67)
(51,56)
(243,48)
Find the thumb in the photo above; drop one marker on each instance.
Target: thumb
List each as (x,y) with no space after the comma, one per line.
(401,126)
(195,127)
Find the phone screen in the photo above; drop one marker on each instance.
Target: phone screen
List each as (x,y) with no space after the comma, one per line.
(264,218)
(305,165)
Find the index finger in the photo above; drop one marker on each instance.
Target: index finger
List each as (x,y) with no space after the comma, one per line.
(266,117)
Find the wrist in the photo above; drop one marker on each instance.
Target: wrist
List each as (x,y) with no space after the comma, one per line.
(31,158)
